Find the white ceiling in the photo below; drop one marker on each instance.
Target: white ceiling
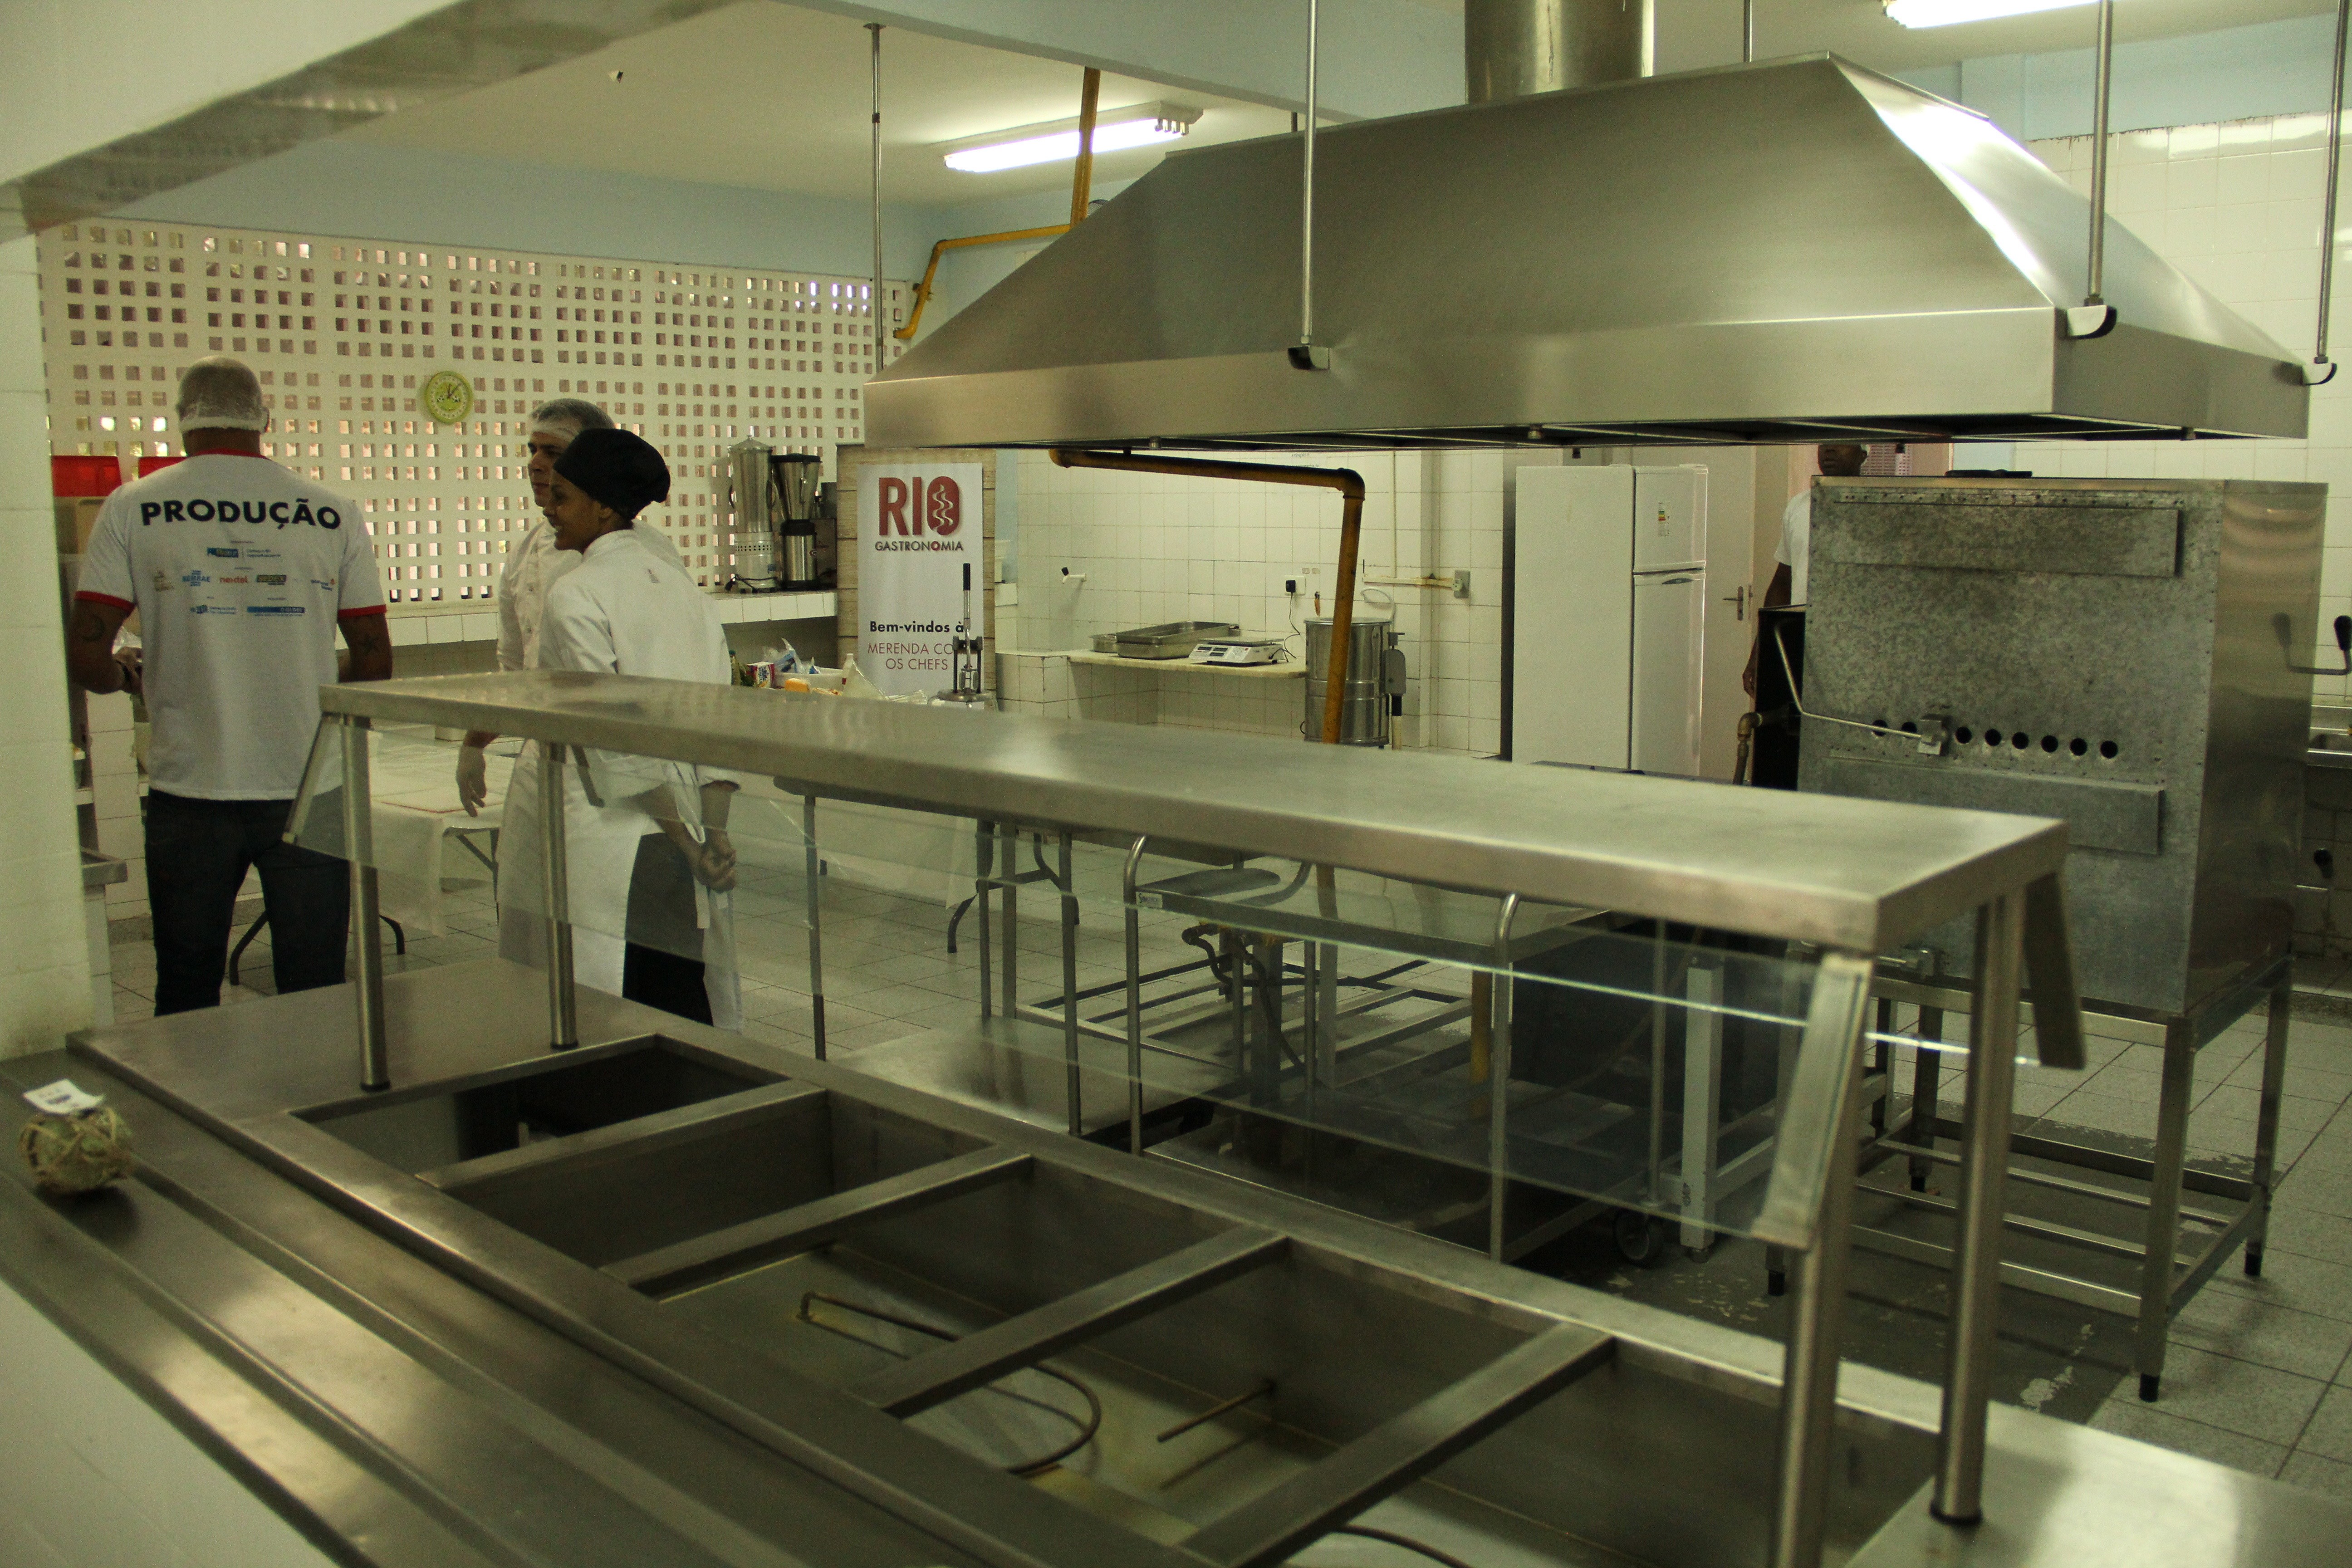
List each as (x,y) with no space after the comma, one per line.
(775,97)
(1859,29)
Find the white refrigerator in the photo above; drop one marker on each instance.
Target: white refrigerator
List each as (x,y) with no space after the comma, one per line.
(1608,615)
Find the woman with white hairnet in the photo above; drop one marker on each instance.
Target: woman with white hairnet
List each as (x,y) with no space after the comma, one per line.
(531,568)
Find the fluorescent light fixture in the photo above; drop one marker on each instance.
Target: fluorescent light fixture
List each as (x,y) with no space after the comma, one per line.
(1945,13)
(1116,130)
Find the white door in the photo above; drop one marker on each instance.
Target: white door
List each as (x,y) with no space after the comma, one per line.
(1572,616)
(1732,485)
(1669,611)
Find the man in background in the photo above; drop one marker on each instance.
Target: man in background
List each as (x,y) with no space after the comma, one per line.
(531,569)
(1790,582)
(241,572)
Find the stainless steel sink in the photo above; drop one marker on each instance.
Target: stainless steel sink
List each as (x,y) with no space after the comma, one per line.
(816,1231)
(1175,1357)
(1040,1350)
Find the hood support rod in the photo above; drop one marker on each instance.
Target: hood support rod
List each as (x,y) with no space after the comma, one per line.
(874,312)
(2094,318)
(2097,294)
(1304,354)
(1346,481)
(2322,369)
(1082,176)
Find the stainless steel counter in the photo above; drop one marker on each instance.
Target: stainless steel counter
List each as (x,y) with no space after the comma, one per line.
(1862,876)
(427,1351)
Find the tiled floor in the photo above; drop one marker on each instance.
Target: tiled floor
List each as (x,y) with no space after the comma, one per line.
(2258,1378)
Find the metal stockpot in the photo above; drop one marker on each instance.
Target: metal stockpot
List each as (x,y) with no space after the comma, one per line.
(1374,680)
(752,497)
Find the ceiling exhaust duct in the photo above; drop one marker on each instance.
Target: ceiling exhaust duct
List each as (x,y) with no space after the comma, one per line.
(1794,251)
(1511,48)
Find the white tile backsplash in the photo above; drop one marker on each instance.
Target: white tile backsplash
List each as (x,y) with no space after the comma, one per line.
(2237,208)
(1101,551)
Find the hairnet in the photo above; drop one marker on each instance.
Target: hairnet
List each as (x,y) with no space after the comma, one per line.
(221,393)
(618,468)
(568,415)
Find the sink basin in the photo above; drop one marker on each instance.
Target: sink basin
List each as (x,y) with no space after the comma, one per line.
(606,1153)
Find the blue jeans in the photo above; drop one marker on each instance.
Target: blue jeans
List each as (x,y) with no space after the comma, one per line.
(199,852)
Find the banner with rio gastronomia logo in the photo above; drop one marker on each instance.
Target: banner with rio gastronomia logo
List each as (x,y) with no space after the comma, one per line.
(918,527)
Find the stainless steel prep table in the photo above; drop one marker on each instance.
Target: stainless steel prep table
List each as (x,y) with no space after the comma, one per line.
(682,1185)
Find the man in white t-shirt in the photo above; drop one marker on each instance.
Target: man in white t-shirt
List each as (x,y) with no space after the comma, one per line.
(1790,582)
(241,572)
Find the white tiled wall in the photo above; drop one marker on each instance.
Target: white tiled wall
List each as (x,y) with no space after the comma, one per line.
(1051,686)
(126,305)
(2236,206)
(1140,549)
(44,962)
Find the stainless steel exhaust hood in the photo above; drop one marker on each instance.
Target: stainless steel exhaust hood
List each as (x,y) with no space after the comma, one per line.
(1794,251)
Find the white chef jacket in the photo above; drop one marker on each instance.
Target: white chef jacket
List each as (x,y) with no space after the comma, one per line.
(531,568)
(1797,544)
(629,608)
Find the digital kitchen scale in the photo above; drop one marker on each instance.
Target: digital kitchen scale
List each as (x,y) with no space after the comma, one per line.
(1240,650)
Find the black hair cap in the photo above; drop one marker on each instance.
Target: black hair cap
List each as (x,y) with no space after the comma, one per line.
(616,467)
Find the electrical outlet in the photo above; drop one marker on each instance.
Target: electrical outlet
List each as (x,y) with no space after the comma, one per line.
(1290,586)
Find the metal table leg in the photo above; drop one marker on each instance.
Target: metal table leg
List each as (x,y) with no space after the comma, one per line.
(1809,1377)
(1011,843)
(1070,992)
(1882,1064)
(1983,1205)
(2267,1122)
(1134,997)
(983,861)
(1652,1190)
(562,1017)
(955,919)
(1702,1102)
(1498,1093)
(367,968)
(2164,1204)
(813,873)
(1927,1071)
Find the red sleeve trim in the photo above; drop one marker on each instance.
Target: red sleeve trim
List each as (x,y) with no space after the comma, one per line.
(106,599)
(354,615)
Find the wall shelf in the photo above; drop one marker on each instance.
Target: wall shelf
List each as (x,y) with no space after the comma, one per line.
(1292,671)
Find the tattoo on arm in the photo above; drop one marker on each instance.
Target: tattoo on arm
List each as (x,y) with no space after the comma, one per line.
(371,644)
(90,647)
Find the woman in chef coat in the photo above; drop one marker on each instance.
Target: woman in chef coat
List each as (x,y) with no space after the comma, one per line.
(647,858)
(532,566)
